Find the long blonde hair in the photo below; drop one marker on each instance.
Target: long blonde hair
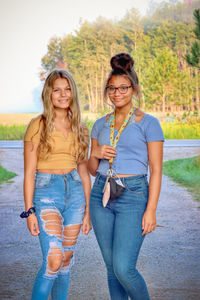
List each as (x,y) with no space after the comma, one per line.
(81,142)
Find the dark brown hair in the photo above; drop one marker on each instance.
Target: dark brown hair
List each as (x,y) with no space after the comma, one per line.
(122,64)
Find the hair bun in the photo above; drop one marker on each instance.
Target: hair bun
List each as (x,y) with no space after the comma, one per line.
(122,61)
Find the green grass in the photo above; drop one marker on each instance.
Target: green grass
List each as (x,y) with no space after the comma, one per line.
(5,175)
(16,132)
(12,132)
(185,172)
(181,131)
(89,124)
(171,130)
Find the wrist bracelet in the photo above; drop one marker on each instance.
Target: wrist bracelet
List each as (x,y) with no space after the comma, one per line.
(27,213)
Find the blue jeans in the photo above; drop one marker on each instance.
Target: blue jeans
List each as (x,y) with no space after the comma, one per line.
(60,205)
(118,229)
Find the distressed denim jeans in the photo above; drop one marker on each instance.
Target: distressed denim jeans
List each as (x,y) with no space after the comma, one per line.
(60,204)
(118,229)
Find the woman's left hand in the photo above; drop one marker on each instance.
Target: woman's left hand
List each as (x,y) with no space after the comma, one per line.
(148,221)
(86,227)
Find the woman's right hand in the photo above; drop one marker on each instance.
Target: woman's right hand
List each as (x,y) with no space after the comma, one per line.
(32,225)
(104,152)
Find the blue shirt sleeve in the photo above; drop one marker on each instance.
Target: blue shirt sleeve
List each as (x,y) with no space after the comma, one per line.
(154,131)
(97,127)
(95,131)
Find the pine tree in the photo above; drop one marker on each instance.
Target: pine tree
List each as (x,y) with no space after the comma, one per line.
(193,59)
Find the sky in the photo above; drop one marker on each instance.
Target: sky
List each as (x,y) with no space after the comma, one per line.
(26,27)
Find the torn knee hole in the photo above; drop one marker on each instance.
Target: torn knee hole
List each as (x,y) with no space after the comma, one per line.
(67,257)
(54,259)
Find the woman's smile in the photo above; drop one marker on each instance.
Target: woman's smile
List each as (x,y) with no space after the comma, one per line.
(61,94)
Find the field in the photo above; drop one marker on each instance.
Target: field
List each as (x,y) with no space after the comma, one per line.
(19,119)
(16,119)
(13,126)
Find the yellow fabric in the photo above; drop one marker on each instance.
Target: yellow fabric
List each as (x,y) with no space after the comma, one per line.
(61,156)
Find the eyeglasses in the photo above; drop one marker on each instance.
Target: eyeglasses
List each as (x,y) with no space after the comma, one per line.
(122,89)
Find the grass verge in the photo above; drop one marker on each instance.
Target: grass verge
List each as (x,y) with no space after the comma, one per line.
(181,131)
(185,172)
(12,132)
(171,130)
(5,175)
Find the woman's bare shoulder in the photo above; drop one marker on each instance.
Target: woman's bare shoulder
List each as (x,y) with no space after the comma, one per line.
(139,114)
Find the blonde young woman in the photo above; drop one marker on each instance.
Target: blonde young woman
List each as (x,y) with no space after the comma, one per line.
(56,183)
(124,144)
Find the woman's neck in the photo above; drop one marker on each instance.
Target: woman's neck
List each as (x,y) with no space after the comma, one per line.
(61,114)
(123,111)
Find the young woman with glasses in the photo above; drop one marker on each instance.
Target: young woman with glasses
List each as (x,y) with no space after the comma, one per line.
(124,144)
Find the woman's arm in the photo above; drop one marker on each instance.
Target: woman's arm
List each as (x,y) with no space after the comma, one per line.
(93,161)
(97,153)
(30,163)
(155,155)
(86,181)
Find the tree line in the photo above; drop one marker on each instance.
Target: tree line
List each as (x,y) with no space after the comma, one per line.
(159,44)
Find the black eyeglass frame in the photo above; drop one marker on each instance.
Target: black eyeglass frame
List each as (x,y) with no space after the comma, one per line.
(118,88)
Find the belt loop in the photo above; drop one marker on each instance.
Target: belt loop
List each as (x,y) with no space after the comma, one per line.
(70,175)
(97,178)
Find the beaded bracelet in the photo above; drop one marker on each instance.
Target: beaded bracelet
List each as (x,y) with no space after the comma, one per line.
(27,213)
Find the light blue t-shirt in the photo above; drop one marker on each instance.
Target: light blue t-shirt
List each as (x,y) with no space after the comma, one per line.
(132,154)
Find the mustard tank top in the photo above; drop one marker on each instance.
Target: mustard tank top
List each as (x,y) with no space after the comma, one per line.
(61,156)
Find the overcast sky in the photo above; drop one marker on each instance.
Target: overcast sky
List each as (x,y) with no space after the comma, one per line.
(26,27)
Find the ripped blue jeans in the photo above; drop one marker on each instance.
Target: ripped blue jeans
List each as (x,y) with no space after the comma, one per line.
(60,205)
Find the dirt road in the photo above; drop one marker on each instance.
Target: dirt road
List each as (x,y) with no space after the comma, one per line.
(169,259)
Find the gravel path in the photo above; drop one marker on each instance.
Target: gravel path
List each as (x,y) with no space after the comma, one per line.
(169,259)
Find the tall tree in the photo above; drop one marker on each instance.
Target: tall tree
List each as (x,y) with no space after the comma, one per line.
(162,83)
(193,59)
(54,54)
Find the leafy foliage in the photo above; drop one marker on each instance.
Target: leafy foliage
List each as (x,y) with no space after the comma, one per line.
(193,59)
(158,42)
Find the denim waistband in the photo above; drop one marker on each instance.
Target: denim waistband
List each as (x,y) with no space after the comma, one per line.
(123,179)
(70,174)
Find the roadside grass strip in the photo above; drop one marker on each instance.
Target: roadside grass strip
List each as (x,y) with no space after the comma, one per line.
(185,172)
(171,130)
(6,175)
(12,132)
(181,131)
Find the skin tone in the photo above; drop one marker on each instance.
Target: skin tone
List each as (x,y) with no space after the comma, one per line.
(123,103)
(61,99)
